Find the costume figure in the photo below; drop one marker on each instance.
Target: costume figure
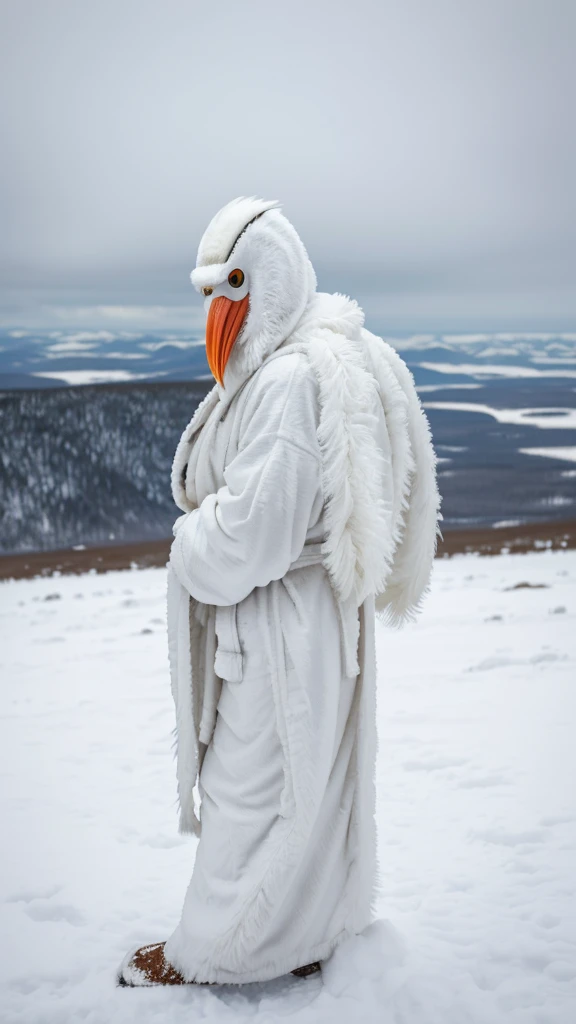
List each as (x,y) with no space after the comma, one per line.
(307,484)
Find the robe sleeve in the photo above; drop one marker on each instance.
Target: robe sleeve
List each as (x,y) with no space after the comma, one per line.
(255,526)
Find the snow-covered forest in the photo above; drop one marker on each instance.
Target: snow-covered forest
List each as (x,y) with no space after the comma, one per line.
(89,465)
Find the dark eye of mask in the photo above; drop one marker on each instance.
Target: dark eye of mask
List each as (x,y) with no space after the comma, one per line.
(236,278)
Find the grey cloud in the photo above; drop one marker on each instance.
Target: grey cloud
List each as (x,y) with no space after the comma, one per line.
(426,152)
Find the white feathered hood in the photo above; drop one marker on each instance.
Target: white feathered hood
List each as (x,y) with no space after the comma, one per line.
(254,236)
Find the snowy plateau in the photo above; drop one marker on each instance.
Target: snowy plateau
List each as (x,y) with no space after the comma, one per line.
(476,809)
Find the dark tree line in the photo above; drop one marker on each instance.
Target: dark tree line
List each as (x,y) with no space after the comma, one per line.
(89,465)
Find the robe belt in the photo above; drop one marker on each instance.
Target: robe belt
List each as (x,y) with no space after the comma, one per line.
(228,660)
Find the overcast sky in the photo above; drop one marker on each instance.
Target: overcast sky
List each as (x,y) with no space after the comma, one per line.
(424,149)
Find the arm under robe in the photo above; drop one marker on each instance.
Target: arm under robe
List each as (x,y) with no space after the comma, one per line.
(255,526)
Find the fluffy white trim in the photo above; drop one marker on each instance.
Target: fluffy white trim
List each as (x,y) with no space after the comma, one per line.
(223,230)
(358,548)
(187,693)
(184,449)
(382,504)
(417,495)
(209,276)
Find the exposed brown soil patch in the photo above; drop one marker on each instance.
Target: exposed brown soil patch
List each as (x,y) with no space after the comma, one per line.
(515,539)
(484,541)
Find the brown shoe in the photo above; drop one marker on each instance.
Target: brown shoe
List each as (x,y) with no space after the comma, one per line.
(148,966)
(304,972)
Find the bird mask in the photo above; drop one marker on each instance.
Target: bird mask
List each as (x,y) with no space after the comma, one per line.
(257,279)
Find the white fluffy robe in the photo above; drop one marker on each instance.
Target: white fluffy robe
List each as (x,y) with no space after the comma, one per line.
(308,489)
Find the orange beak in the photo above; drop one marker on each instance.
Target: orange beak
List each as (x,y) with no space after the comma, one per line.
(225,318)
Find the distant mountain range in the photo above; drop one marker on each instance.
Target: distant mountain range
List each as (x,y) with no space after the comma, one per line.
(32,359)
(36,359)
(86,465)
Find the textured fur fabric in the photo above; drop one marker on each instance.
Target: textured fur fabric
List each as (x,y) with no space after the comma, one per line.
(381,503)
(382,507)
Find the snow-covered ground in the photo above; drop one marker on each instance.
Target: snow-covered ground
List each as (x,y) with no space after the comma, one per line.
(476,809)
